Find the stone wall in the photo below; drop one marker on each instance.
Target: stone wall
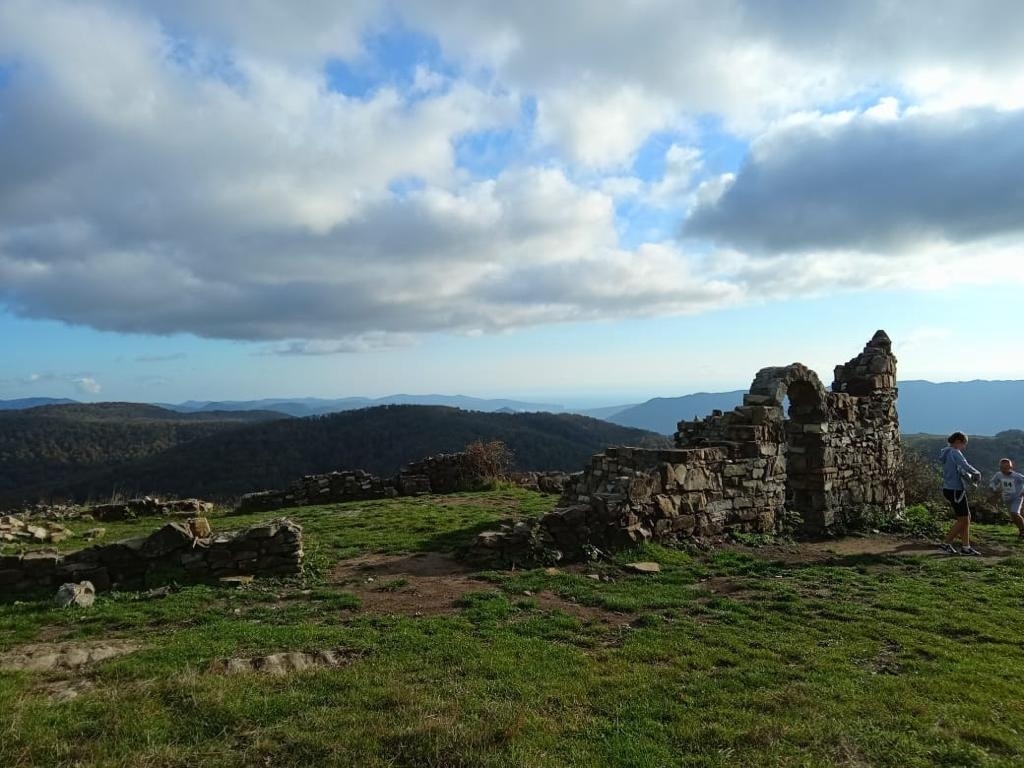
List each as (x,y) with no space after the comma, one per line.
(830,463)
(351,485)
(271,548)
(443,473)
(149,507)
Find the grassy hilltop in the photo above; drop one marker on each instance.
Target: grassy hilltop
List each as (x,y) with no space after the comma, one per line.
(864,651)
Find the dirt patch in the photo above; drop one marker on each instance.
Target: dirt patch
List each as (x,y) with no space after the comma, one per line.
(854,548)
(46,657)
(421,584)
(722,586)
(550,602)
(432,584)
(286,662)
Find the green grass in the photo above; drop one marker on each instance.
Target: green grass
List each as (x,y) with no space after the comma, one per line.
(722,659)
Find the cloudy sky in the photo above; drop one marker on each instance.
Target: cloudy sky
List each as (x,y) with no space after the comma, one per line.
(598,202)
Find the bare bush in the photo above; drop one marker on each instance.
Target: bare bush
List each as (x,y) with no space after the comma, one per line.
(488,460)
(921,479)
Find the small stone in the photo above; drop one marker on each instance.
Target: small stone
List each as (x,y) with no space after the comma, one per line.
(643,567)
(82,594)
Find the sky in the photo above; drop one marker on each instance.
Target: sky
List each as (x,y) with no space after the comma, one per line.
(586,203)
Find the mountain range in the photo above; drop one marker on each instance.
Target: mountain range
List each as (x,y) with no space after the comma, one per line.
(91,451)
(315,406)
(976,407)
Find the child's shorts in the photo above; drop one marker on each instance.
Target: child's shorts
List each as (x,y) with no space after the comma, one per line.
(957,500)
(1013,505)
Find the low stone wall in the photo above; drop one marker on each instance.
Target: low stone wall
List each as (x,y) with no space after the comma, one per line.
(149,507)
(352,485)
(632,495)
(443,473)
(544,482)
(446,472)
(271,548)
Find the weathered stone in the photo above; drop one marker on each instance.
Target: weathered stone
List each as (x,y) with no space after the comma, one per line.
(82,594)
(643,567)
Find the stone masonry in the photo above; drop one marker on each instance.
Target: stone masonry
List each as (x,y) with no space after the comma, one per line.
(271,548)
(443,473)
(830,463)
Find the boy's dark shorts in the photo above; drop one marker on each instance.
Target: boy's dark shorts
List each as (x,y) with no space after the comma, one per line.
(957,500)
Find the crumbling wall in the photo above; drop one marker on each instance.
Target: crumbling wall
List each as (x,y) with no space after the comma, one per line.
(831,462)
(271,548)
(443,473)
(631,495)
(349,485)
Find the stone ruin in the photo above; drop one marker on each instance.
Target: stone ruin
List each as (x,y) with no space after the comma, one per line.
(830,463)
(443,473)
(272,548)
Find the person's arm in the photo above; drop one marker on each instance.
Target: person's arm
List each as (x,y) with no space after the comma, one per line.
(993,484)
(964,467)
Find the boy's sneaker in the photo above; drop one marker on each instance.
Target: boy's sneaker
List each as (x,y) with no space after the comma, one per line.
(949,549)
(969,551)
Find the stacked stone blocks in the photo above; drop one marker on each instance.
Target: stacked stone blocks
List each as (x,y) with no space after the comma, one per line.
(272,548)
(833,464)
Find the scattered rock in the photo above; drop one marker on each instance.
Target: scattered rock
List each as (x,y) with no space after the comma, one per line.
(643,567)
(82,594)
(200,527)
(15,529)
(60,691)
(44,657)
(159,592)
(283,663)
(237,580)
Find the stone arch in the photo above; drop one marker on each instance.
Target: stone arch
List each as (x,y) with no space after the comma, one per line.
(803,435)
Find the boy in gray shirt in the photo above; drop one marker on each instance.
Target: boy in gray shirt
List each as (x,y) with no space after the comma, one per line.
(1010,485)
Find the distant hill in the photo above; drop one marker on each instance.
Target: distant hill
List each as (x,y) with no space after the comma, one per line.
(663,413)
(60,443)
(131,413)
(975,407)
(31,402)
(313,406)
(270,454)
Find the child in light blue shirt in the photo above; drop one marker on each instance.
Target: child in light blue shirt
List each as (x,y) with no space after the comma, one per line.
(955,470)
(1010,486)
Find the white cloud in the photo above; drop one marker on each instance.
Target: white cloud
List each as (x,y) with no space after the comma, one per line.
(87,385)
(682,164)
(366,342)
(601,126)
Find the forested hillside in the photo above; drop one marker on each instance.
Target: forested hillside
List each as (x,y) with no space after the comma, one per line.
(229,462)
(983,452)
(60,444)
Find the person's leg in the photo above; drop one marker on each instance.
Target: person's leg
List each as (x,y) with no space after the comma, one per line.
(1013,507)
(954,532)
